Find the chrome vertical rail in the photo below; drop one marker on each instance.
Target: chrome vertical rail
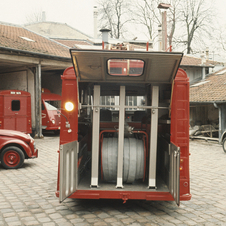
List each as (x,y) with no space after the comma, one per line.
(95,137)
(153,138)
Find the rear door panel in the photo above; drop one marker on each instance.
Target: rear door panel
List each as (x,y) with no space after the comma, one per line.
(174,180)
(68,169)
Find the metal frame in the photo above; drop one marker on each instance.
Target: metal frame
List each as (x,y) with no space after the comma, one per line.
(126,106)
(153,138)
(91,65)
(95,137)
(122,100)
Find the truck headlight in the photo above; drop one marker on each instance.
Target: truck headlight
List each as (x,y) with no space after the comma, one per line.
(53,121)
(69,106)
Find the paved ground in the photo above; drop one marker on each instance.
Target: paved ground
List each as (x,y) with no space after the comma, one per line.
(27,195)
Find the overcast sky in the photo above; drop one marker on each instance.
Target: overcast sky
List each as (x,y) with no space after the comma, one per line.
(76,13)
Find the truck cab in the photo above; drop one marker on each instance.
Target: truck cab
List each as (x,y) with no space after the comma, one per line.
(124,127)
(50,111)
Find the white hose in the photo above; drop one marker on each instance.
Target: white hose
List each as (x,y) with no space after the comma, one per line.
(133,159)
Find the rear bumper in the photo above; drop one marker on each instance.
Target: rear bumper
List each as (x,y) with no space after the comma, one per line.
(53,128)
(125,195)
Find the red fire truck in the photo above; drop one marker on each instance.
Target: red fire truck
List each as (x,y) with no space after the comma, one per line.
(50,111)
(15,110)
(124,127)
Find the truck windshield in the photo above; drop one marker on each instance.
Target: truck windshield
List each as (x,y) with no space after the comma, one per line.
(52,106)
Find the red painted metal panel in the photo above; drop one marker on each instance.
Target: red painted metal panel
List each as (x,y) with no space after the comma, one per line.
(180,127)
(126,195)
(18,139)
(69,94)
(15,110)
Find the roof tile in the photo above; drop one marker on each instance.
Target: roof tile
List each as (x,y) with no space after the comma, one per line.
(73,43)
(11,37)
(194,61)
(212,91)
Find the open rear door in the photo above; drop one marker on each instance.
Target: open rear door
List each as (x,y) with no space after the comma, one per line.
(174,182)
(68,169)
(94,65)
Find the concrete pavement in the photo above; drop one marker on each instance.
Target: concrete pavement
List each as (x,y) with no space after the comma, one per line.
(27,195)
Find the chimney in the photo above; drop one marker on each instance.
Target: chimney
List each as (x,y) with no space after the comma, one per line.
(95,14)
(43,16)
(203,62)
(207,53)
(104,32)
(203,58)
(160,37)
(163,8)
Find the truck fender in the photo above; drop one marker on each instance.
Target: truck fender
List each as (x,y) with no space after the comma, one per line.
(19,143)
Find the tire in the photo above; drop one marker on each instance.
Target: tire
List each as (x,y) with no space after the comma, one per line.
(224,145)
(12,157)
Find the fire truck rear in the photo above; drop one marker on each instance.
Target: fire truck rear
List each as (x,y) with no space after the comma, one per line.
(124,127)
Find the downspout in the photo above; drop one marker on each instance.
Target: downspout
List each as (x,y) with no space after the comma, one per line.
(203,73)
(38,102)
(219,113)
(203,62)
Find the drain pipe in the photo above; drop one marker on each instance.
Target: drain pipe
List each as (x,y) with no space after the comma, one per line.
(38,102)
(219,115)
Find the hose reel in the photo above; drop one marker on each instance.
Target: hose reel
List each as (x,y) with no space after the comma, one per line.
(133,159)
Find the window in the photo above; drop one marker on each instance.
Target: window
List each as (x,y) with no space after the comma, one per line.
(50,107)
(107,100)
(54,103)
(125,67)
(15,105)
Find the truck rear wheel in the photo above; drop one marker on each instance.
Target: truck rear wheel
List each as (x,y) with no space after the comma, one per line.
(224,145)
(12,157)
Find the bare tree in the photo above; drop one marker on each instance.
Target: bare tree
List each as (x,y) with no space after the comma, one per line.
(36,16)
(218,44)
(145,12)
(173,17)
(196,18)
(114,15)
(188,20)
(223,42)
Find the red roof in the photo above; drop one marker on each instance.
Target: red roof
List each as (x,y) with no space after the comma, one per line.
(19,38)
(195,61)
(73,43)
(212,89)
